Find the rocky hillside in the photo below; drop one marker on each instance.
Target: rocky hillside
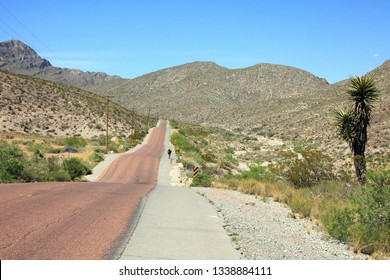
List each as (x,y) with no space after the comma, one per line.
(266,99)
(32,105)
(17,57)
(199,92)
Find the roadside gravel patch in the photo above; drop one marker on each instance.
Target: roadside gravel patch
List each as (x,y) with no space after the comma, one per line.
(266,230)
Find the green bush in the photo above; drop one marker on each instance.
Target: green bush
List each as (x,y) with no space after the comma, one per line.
(182,143)
(44,170)
(101,140)
(310,169)
(202,180)
(11,163)
(75,142)
(35,171)
(97,157)
(39,149)
(338,223)
(76,168)
(258,173)
(365,223)
(372,229)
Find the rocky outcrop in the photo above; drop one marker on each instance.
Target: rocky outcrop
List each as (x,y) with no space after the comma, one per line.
(17,57)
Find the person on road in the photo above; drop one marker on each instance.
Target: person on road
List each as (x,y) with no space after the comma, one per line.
(169,153)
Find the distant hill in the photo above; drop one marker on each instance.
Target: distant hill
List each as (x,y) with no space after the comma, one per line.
(268,99)
(32,105)
(18,57)
(199,92)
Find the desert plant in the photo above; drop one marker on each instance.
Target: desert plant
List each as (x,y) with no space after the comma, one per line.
(352,123)
(203,180)
(372,229)
(310,169)
(364,218)
(11,162)
(338,223)
(257,172)
(75,142)
(76,168)
(97,157)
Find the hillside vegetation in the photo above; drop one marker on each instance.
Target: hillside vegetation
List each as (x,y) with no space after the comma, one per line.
(287,102)
(55,132)
(298,174)
(31,105)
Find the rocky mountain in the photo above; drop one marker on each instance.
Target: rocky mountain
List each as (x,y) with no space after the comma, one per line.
(265,99)
(32,105)
(199,92)
(18,57)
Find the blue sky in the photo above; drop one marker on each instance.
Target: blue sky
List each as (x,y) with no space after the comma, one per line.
(331,39)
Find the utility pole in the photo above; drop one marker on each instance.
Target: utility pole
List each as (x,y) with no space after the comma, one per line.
(107,101)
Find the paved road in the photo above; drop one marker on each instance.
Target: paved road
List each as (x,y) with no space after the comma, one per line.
(177,223)
(78,220)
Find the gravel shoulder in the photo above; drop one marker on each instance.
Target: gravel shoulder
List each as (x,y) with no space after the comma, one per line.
(266,230)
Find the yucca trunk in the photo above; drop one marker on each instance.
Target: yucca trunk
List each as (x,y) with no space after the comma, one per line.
(360,140)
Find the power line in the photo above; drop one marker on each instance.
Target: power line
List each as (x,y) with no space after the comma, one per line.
(12,30)
(12,36)
(32,33)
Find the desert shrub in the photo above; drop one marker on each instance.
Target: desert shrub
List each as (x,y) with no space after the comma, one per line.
(60,175)
(371,232)
(56,173)
(55,150)
(35,171)
(39,149)
(203,180)
(44,170)
(304,171)
(270,134)
(338,223)
(11,162)
(364,219)
(75,142)
(97,157)
(194,130)
(101,140)
(301,201)
(76,168)
(182,143)
(257,172)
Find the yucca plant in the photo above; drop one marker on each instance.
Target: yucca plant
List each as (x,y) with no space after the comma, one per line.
(352,123)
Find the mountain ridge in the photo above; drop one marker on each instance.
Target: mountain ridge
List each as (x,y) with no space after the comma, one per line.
(17,57)
(272,99)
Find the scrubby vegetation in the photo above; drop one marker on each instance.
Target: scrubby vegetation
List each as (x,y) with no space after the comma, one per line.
(35,159)
(19,166)
(307,180)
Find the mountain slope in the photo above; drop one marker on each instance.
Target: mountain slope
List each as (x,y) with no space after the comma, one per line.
(17,57)
(199,91)
(32,105)
(269,99)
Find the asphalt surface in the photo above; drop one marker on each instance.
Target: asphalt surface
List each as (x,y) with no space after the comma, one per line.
(79,221)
